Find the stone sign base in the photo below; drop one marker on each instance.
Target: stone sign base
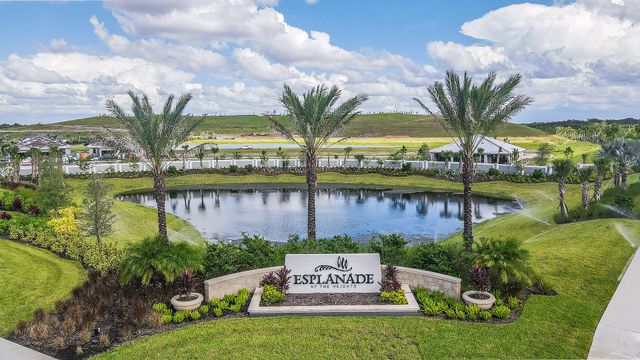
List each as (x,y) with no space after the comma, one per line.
(411,308)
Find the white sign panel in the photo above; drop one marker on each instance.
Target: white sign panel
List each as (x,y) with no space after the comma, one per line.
(334,273)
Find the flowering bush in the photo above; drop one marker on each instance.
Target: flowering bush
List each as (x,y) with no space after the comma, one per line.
(62,236)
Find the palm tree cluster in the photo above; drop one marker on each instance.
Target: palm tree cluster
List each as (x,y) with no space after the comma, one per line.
(623,155)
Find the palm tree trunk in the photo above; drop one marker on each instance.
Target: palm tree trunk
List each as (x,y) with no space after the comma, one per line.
(16,171)
(160,195)
(467,180)
(563,206)
(623,180)
(597,187)
(585,194)
(616,179)
(311,197)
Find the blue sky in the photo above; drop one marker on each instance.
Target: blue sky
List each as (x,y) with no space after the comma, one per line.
(61,60)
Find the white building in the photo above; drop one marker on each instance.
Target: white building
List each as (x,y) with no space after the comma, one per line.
(489,150)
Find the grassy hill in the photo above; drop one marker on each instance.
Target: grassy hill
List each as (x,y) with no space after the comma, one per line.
(385,124)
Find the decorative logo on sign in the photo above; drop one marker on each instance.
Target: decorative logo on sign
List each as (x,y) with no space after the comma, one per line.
(341,265)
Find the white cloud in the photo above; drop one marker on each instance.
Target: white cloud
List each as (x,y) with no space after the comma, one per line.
(469,58)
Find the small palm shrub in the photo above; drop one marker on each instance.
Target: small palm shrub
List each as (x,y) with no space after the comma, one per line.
(153,257)
(506,262)
(501,312)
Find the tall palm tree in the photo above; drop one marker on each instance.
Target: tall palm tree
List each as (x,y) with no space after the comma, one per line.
(347,151)
(584,175)
(57,153)
(316,118)
(468,112)
(602,168)
(625,153)
(200,154)
(563,168)
(214,150)
(156,135)
(185,154)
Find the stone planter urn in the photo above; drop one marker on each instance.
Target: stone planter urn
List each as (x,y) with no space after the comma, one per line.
(192,303)
(484,300)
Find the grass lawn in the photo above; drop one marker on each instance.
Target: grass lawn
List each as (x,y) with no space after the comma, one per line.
(32,278)
(581,260)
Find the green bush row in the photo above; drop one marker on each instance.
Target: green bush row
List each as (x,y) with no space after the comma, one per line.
(435,303)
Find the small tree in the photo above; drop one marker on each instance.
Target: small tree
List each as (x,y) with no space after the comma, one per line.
(36,158)
(264,159)
(98,216)
(15,158)
(584,174)
(214,150)
(544,154)
(360,158)
(563,169)
(52,191)
(83,164)
(568,152)
(423,152)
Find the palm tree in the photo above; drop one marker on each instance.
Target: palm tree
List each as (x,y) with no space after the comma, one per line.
(316,118)
(360,158)
(603,167)
(185,153)
(347,151)
(584,174)
(563,168)
(156,135)
(15,158)
(468,112)
(625,153)
(36,157)
(200,154)
(214,150)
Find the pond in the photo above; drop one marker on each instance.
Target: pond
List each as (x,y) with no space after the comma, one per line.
(279,211)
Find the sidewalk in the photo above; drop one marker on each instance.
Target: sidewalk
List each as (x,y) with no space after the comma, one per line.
(618,333)
(13,351)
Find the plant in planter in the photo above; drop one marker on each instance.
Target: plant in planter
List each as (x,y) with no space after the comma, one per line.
(187,299)
(391,288)
(480,296)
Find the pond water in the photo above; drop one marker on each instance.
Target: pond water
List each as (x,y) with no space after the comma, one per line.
(279,212)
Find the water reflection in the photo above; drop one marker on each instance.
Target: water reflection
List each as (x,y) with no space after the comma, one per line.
(224,214)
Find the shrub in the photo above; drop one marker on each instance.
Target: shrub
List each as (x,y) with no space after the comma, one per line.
(283,279)
(179,316)
(194,315)
(166,319)
(460,314)
(159,307)
(512,302)
(248,168)
(473,311)
(393,297)
(269,279)
(233,168)
(155,256)
(480,278)
(538,174)
(5,216)
(623,201)
(485,315)
(493,172)
(16,205)
(390,280)
(501,312)
(217,312)
(433,257)
(271,295)
(431,307)
(406,167)
(104,340)
(229,298)
(391,248)
(235,308)
(204,309)
(226,258)
(172,170)
(33,210)
(450,313)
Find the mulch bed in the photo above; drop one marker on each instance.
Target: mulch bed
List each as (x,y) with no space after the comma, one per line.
(331,299)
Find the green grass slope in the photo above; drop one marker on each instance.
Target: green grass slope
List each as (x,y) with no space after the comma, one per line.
(385,124)
(32,278)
